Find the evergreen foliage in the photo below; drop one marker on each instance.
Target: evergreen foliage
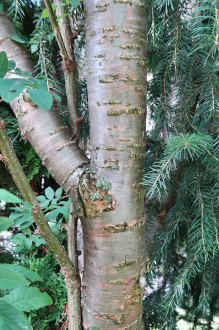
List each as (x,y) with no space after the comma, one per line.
(182,203)
(29,159)
(182,164)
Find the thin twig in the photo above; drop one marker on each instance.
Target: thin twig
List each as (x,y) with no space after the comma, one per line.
(44,61)
(211,83)
(217,27)
(182,279)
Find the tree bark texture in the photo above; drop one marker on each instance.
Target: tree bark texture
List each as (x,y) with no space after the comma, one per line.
(45,130)
(114,241)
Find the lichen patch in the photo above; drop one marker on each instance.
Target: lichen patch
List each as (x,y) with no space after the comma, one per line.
(95,194)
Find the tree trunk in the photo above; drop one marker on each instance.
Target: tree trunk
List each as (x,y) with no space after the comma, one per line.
(114,241)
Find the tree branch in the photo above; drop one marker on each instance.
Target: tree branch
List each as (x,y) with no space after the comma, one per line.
(63,35)
(72,278)
(45,130)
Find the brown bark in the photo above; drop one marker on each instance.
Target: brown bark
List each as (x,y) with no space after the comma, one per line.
(114,241)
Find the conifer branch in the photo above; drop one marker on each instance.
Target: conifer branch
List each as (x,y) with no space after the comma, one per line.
(182,278)
(217,26)
(211,84)
(184,89)
(216,232)
(202,210)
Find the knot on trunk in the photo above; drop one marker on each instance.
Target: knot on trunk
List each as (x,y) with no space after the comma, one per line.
(95,194)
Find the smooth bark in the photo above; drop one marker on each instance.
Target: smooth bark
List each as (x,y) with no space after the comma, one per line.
(45,130)
(114,241)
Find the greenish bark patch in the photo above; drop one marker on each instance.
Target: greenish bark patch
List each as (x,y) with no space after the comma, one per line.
(123,265)
(100,10)
(112,28)
(119,228)
(130,111)
(123,1)
(58,130)
(95,195)
(109,79)
(65,145)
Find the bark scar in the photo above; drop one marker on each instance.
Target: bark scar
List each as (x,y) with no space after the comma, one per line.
(95,194)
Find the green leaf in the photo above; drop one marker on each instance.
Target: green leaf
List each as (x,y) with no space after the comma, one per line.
(18,239)
(34,48)
(11,88)
(41,198)
(38,240)
(95,328)
(19,248)
(24,74)
(58,18)
(45,12)
(5,223)
(26,231)
(11,318)
(55,227)
(32,276)
(57,97)
(52,215)
(75,3)
(3,64)
(24,218)
(45,203)
(58,192)
(17,39)
(10,279)
(9,197)
(27,299)
(40,82)
(11,64)
(28,243)
(26,224)
(49,192)
(41,97)
(54,202)
(15,215)
(64,210)
(27,206)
